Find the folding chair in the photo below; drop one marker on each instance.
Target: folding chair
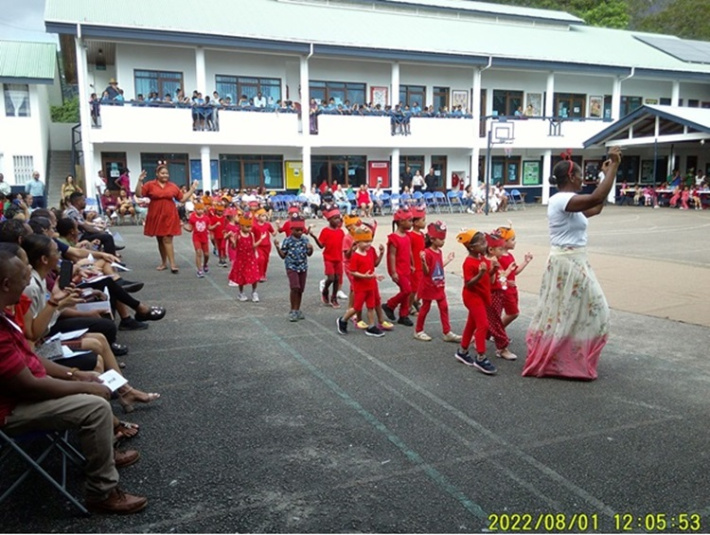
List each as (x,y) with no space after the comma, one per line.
(57,440)
(394,202)
(430,201)
(440,201)
(454,201)
(516,199)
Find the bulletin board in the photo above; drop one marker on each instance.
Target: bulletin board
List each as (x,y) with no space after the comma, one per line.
(294,174)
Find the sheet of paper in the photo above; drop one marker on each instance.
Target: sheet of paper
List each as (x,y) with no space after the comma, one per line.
(97,278)
(113,380)
(71,335)
(67,353)
(119,266)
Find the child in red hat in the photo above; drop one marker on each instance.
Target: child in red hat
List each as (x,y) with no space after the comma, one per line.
(432,285)
(286,227)
(330,240)
(416,236)
(510,269)
(262,226)
(245,269)
(217,226)
(399,266)
(496,249)
(198,224)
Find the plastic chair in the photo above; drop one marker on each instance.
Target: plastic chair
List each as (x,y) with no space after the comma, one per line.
(516,199)
(386,203)
(394,202)
(58,440)
(430,201)
(454,200)
(440,201)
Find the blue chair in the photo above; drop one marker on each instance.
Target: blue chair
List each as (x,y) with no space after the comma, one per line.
(430,201)
(440,201)
(386,203)
(395,202)
(516,199)
(454,201)
(352,199)
(405,199)
(417,197)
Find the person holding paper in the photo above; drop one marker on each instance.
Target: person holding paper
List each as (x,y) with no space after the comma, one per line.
(38,395)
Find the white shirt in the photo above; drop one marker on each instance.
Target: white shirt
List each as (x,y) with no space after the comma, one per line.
(567,229)
(260,102)
(5,188)
(37,291)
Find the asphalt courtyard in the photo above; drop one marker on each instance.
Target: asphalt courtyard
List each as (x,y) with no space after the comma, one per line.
(270,426)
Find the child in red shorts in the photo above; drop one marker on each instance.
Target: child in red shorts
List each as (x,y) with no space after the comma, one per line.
(198,224)
(363,262)
(399,267)
(510,293)
(416,236)
(330,240)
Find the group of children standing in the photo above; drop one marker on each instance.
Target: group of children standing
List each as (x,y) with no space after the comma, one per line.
(414,261)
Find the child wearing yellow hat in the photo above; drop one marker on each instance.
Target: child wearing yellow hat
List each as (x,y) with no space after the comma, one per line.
(476,297)
(262,226)
(245,269)
(510,269)
(198,224)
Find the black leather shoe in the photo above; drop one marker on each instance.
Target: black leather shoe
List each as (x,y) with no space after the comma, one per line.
(130,286)
(119,350)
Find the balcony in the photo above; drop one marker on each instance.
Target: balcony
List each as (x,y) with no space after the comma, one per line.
(140,124)
(549,132)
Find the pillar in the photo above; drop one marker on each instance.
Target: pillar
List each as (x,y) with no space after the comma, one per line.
(85,117)
(206,170)
(394,171)
(546,172)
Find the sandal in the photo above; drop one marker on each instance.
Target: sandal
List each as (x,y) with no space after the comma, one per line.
(128,406)
(125,430)
(153,314)
(161,268)
(174,271)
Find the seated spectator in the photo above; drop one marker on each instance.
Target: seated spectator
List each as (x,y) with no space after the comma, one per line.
(364,201)
(126,206)
(109,204)
(341,198)
(377,198)
(314,201)
(37,394)
(77,203)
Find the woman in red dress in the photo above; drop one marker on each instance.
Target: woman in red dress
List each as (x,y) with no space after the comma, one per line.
(163,220)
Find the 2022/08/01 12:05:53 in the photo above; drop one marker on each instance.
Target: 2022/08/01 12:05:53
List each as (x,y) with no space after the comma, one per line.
(592,522)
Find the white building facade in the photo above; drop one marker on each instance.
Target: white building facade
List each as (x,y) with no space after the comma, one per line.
(495,61)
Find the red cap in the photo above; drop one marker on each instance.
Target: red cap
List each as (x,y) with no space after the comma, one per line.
(402,214)
(494,240)
(437,229)
(418,212)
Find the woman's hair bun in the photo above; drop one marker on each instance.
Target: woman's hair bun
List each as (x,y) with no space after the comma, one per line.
(553,180)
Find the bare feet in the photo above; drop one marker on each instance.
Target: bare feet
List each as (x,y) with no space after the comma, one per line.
(161,267)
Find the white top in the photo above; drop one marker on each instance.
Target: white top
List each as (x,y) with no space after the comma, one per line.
(37,291)
(567,229)
(259,102)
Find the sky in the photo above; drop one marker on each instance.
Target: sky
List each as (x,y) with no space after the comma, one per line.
(23,20)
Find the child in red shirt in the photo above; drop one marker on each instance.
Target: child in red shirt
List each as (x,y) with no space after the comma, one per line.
(399,266)
(263,227)
(416,236)
(198,224)
(476,297)
(330,240)
(245,269)
(217,226)
(496,249)
(363,262)
(432,286)
(286,227)
(510,269)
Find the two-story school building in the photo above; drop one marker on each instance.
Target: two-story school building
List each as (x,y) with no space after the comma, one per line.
(28,77)
(502,90)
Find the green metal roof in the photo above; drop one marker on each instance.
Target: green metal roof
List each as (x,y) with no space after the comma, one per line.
(377,26)
(27,62)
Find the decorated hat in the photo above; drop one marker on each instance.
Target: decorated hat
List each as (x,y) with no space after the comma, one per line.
(219,207)
(331,212)
(261,211)
(231,211)
(507,233)
(253,206)
(199,206)
(402,213)
(362,233)
(418,212)
(351,219)
(298,222)
(293,209)
(494,240)
(465,236)
(437,229)
(227,198)
(246,220)
(207,200)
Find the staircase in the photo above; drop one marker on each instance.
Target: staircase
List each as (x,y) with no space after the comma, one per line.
(60,166)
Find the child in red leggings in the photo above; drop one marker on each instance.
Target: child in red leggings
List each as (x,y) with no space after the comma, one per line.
(476,297)
(400,266)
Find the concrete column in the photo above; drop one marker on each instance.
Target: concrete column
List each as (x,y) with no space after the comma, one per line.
(476,105)
(85,116)
(394,171)
(394,97)
(306,170)
(616,99)
(675,93)
(305,96)
(550,110)
(205,165)
(546,172)
(201,72)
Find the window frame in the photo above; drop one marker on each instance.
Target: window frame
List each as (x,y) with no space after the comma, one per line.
(25,109)
(409,94)
(249,86)
(569,99)
(511,97)
(163,82)
(242,160)
(327,87)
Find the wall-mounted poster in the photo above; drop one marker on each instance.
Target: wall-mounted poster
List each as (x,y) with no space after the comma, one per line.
(379,174)
(531,173)
(596,105)
(378,95)
(459,97)
(534,100)
(294,174)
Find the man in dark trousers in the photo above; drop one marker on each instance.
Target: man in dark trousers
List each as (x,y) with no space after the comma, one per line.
(430,180)
(406,178)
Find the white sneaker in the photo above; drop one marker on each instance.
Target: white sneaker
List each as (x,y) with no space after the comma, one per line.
(242,297)
(506,354)
(451,337)
(341,294)
(422,337)
(255,297)
(232,284)
(321,285)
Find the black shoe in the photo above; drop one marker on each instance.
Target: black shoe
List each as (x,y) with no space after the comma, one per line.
(342,326)
(130,286)
(119,350)
(465,357)
(132,324)
(120,247)
(404,320)
(388,312)
(375,331)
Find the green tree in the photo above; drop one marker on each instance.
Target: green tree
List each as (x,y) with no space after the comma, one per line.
(68,112)
(689,19)
(609,14)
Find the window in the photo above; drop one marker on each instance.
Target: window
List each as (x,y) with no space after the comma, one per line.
(629,104)
(345,170)
(505,170)
(409,94)
(23,167)
(693,103)
(415,162)
(160,82)
(236,86)
(506,102)
(570,105)
(178,166)
(441,98)
(241,171)
(17,100)
(338,91)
